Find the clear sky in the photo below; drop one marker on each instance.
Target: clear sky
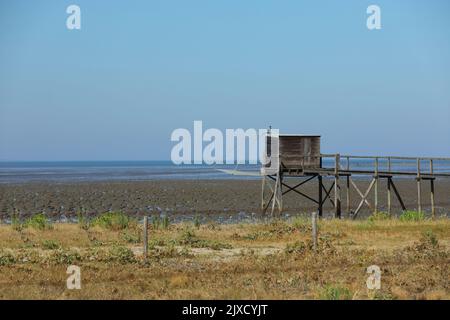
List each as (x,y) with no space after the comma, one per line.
(137,70)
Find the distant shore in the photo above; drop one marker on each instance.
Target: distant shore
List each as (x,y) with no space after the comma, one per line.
(218,200)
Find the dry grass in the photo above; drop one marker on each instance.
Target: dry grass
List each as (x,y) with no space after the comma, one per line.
(244,261)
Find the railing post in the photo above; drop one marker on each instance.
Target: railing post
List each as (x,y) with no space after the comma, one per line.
(319,177)
(337,188)
(419,187)
(376,185)
(348,187)
(433,208)
(389,186)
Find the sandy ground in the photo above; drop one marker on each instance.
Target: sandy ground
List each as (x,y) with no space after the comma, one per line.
(267,260)
(220,200)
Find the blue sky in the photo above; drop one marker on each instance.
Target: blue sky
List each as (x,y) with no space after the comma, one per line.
(137,70)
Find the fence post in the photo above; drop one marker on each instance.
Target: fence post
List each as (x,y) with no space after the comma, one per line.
(145,237)
(314,230)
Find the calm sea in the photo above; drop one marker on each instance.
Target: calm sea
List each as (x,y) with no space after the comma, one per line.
(81,171)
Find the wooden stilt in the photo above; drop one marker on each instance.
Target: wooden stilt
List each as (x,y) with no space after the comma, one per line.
(389,205)
(361,194)
(337,189)
(389,195)
(397,194)
(275,195)
(433,208)
(280,193)
(419,187)
(319,177)
(364,198)
(263,189)
(348,188)
(376,185)
(328,193)
(274,186)
(348,197)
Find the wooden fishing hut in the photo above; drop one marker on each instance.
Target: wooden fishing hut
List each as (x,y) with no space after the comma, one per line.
(299,156)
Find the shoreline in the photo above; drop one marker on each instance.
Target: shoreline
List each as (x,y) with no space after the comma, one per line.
(210,199)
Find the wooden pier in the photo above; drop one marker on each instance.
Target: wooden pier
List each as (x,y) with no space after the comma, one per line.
(298,156)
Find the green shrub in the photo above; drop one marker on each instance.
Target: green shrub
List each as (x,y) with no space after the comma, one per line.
(297,247)
(412,216)
(301,224)
(335,293)
(156,221)
(39,221)
(121,254)
(131,238)
(197,221)
(83,222)
(379,216)
(188,238)
(50,244)
(112,221)
(165,222)
(170,252)
(430,237)
(61,256)
(161,223)
(16,224)
(6,258)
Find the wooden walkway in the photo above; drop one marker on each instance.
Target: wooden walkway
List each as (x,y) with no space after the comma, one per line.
(343,167)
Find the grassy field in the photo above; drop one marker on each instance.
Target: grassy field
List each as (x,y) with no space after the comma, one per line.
(272,260)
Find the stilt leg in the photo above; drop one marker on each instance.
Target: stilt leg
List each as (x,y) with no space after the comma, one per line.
(433,208)
(389,195)
(348,196)
(263,189)
(320,196)
(337,188)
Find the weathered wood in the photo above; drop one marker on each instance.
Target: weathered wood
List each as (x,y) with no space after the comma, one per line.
(298,164)
(376,185)
(145,237)
(275,195)
(389,204)
(397,194)
(361,194)
(298,192)
(348,196)
(263,189)
(319,177)
(328,194)
(433,207)
(337,188)
(299,151)
(364,198)
(348,189)
(280,193)
(297,185)
(314,230)
(268,203)
(419,188)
